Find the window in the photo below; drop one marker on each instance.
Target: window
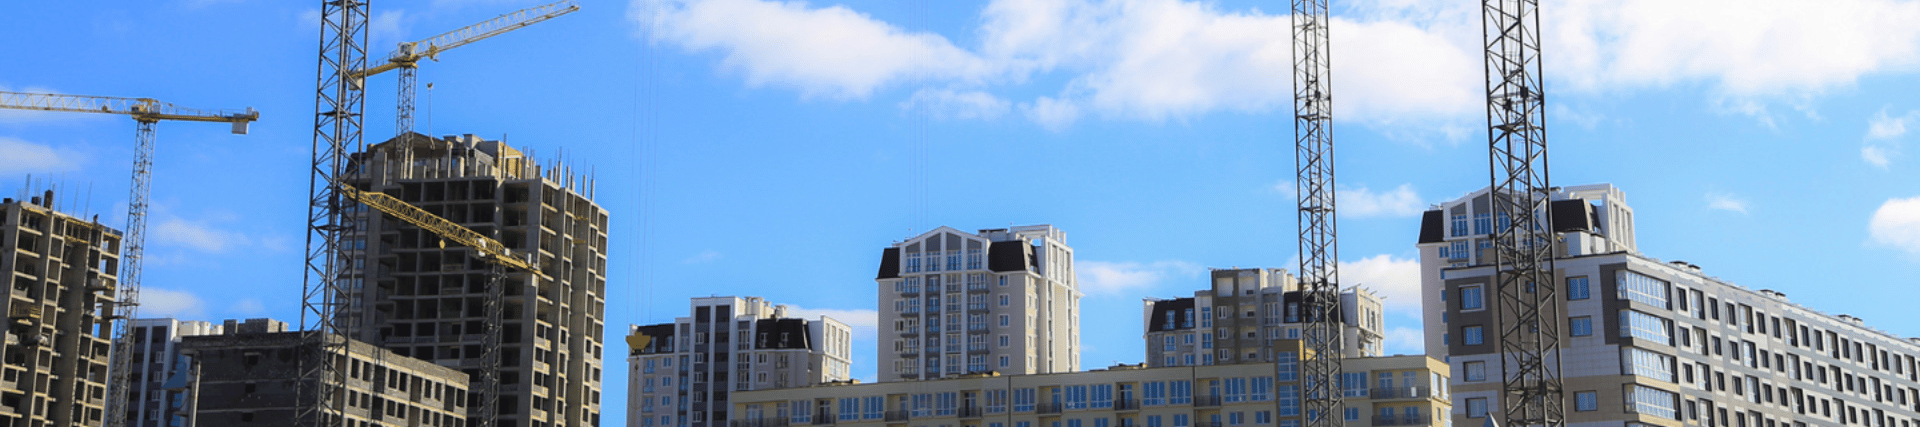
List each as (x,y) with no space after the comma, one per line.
(1577,288)
(1586,401)
(1477,407)
(1459,225)
(1651,401)
(1289,401)
(1153,393)
(1459,250)
(1645,326)
(1580,326)
(1472,297)
(1471,335)
(1642,288)
(1482,223)
(1475,371)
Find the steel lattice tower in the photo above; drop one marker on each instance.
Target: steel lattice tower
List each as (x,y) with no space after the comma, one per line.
(339,103)
(1526,305)
(1319,250)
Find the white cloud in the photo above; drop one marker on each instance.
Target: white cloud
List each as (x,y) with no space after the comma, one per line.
(249,307)
(1883,136)
(1747,49)
(198,236)
(952,104)
(162,302)
(1362,202)
(832,51)
(27,157)
(1100,278)
(1897,224)
(1054,114)
(1727,202)
(1397,280)
(705,256)
(1406,341)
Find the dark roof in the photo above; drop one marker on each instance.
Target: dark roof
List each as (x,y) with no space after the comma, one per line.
(1572,215)
(889,264)
(1011,255)
(781,334)
(1433,227)
(1158,321)
(662,338)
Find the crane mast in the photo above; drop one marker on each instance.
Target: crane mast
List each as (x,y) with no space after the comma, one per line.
(147,113)
(1523,248)
(338,105)
(1319,251)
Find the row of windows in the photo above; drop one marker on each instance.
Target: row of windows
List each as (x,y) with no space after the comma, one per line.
(914,260)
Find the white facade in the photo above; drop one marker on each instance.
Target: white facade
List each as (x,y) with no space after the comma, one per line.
(681,373)
(1652,343)
(157,359)
(1001,300)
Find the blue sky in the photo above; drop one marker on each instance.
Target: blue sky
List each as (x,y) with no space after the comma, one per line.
(750,147)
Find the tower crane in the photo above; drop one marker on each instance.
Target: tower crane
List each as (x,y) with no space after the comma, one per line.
(407,57)
(340,103)
(1523,247)
(146,112)
(1319,249)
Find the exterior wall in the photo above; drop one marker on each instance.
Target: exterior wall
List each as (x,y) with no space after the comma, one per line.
(1123,396)
(156,362)
(1662,343)
(1241,316)
(1002,300)
(687,370)
(62,271)
(421,300)
(243,381)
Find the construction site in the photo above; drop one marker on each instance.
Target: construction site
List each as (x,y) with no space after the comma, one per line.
(450,279)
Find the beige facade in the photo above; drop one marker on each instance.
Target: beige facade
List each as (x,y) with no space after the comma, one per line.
(63,273)
(954,303)
(253,379)
(1240,316)
(683,373)
(425,300)
(1122,396)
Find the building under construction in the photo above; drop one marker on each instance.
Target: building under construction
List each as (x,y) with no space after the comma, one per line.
(243,381)
(420,297)
(53,363)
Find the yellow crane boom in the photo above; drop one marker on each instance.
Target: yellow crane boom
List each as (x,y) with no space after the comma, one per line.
(410,53)
(490,250)
(142,109)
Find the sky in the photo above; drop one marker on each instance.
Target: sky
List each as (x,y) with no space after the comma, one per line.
(773,148)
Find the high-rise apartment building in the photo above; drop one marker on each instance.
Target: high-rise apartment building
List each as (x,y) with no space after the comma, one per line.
(1242,316)
(1384,391)
(1651,343)
(683,372)
(422,299)
(63,272)
(249,376)
(1002,300)
(156,359)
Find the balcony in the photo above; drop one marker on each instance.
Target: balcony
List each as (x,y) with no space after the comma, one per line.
(1205,402)
(978,308)
(1400,393)
(896,416)
(1049,408)
(759,422)
(822,417)
(1126,405)
(972,412)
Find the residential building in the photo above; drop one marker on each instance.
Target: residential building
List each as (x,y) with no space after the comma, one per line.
(1646,342)
(1243,314)
(64,273)
(420,298)
(1393,391)
(254,379)
(682,372)
(156,360)
(1001,300)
